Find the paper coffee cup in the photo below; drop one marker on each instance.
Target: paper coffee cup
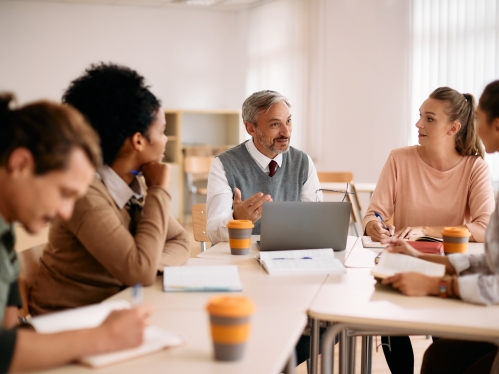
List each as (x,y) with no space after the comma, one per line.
(240,236)
(230,325)
(455,239)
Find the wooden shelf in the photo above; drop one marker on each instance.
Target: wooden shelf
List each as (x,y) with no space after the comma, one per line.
(198,131)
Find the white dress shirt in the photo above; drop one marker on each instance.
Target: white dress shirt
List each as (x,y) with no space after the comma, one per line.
(117,187)
(219,199)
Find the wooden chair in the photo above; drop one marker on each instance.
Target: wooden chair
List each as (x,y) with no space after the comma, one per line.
(196,173)
(199,225)
(29,262)
(346,177)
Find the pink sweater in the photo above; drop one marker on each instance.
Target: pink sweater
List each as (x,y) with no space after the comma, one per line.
(418,195)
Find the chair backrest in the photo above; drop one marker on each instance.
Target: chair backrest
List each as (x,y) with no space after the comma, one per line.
(335,176)
(197,164)
(345,177)
(199,224)
(29,262)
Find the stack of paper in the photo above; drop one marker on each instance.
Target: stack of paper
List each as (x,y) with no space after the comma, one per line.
(302,261)
(155,338)
(201,278)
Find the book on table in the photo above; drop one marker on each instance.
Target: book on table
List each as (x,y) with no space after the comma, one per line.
(301,261)
(425,238)
(428,247)
(155,338)
(201,279)
(392,263)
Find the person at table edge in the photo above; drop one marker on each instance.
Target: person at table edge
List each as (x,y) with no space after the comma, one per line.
(241,180)
(48,156)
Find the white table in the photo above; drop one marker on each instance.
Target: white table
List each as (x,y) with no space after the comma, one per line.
(293,291)
(382,310)
(276,327)
(280,317)
(265,353)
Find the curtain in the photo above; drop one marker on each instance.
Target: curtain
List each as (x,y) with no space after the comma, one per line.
(455,44)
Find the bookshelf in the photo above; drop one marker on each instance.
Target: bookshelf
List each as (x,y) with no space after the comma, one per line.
(196,132)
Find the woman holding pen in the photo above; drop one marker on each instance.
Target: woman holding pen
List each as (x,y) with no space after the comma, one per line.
(472,278)
(442,182)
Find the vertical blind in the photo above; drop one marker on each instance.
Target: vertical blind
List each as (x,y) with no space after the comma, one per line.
(455,44)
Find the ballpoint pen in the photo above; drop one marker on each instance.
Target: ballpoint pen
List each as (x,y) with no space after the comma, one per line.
(378,216)
(137,294)
(136,173)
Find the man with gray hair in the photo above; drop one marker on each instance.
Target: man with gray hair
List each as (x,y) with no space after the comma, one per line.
(262,169)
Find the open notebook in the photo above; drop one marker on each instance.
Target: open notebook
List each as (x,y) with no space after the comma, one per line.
(155,338)
(301,261)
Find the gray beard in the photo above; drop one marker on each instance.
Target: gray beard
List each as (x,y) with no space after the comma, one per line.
(271,147)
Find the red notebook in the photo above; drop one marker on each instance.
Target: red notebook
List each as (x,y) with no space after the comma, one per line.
(433,248)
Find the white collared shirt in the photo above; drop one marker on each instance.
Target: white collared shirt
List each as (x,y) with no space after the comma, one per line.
(117,187)
(219,199)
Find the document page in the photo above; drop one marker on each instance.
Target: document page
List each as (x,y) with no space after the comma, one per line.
(78,318)
(201,278)
(392,263)
(298,254)
(300,266)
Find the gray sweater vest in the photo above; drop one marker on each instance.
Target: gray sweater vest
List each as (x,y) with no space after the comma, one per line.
(243,172)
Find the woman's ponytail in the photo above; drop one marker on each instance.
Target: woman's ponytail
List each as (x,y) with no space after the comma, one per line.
(461,108)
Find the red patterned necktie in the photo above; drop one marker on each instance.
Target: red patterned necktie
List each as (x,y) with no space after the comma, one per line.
(272,167)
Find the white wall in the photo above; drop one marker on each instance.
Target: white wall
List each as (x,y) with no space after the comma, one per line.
(365,91)
(193,59)
(343,63)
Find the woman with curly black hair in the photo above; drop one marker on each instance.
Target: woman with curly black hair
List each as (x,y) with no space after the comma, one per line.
(118,236)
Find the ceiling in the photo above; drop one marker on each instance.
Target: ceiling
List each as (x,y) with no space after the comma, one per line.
(233,5)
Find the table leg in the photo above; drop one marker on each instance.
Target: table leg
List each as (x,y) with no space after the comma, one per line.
(314,345)
(352,345)
(366,360)
(328,340)
(291,364)
(343,356)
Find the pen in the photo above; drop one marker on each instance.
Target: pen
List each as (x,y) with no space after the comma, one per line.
(137,294)
(376,259)
(378,216)
(136,172)
(301,258)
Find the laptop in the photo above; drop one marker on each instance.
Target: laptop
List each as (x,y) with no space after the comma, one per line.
(304,225)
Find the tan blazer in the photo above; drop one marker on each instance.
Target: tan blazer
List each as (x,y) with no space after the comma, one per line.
(93,255)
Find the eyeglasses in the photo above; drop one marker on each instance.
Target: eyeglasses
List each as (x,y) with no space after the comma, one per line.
(345,192)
